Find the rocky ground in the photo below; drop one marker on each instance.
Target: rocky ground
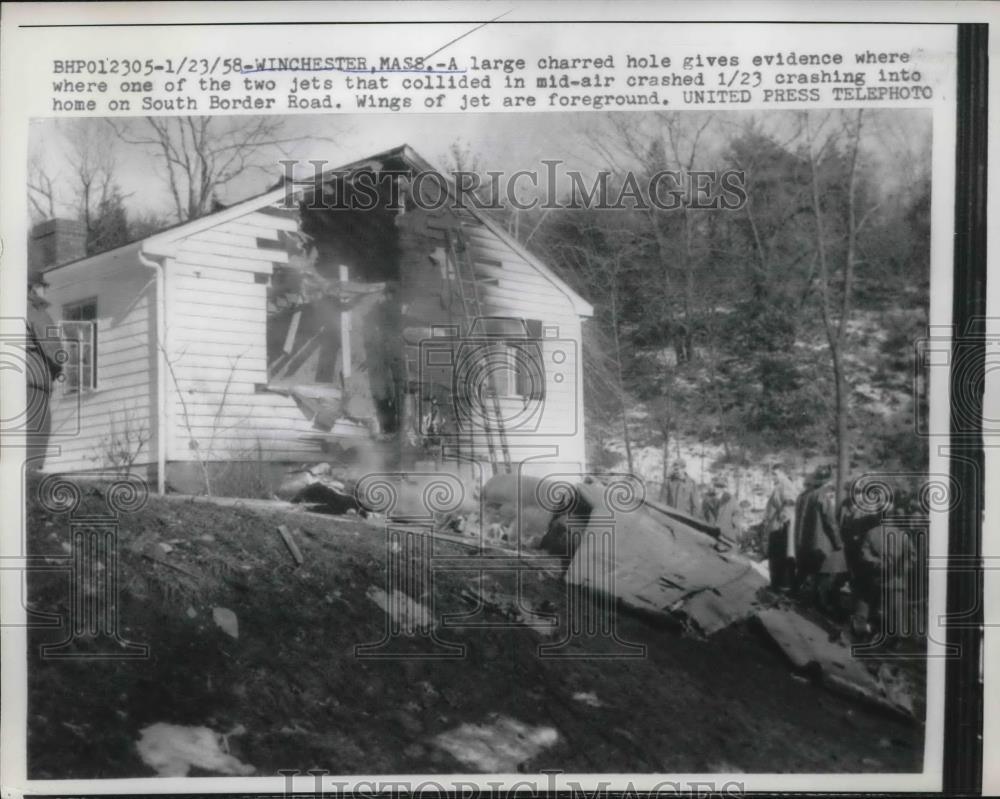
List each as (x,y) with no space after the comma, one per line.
(244,640)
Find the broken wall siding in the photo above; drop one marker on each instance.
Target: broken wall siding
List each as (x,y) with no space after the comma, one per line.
(217,333)
(123,403)
(509,286)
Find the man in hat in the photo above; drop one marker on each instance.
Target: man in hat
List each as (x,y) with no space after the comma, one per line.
(881,560)
(778,527)
(710,504)
(680,491)
(728,515)
(822,568)
(718,507)
(42,365)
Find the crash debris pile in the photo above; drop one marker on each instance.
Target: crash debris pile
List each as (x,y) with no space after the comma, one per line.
(508,513)
(650,557)
(505,513)
(317,485)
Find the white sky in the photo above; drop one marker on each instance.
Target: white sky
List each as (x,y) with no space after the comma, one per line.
(897,144)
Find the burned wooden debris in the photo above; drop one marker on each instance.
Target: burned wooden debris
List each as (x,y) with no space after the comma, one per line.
(289,541)
(316,485)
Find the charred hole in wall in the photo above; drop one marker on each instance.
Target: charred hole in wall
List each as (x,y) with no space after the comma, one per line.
(334,317)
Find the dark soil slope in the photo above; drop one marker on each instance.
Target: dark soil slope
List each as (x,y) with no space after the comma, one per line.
(293,679)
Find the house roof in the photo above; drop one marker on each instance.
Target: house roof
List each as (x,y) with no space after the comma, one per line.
(163,242)
(123,251)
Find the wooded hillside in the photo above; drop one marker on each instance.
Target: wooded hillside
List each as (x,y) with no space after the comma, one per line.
(781,329)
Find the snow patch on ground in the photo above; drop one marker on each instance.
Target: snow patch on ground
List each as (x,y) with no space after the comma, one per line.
(498,747)
(408,615)
(172,750)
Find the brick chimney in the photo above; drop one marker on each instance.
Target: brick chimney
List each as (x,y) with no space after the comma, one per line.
(56,241)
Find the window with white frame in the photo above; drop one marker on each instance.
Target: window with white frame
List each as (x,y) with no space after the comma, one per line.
(79,334)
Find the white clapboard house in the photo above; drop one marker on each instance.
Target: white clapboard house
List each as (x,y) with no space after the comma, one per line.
(296,327)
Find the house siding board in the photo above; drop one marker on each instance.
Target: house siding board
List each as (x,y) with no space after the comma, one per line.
(195,321)
(235,288)
(83,424)
(195,312)
(218,337)
(196,374)
(245,367)
(242,238)
(242,228)
(197,296)
(121,351)
(241,406)
(247,266)
(221,338)
(196,246)
(229,279)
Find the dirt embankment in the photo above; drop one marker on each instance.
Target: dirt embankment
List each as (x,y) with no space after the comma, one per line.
(293,680)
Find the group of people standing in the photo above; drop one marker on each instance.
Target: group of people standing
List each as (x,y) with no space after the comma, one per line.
(831,554)
(826,552)
(718,506)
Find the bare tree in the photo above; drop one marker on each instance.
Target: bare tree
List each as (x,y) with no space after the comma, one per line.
(125,442)
(835,291)
(674,242)
(86,186)
(41,191)
(673,142)
(680,145)
(92,161)
(202,155)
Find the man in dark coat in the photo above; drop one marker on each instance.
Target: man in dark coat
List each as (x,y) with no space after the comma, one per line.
(680,491)
(820,561)
(42,367)
(881,561)
(729,516)
(721,509)
(710,505)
